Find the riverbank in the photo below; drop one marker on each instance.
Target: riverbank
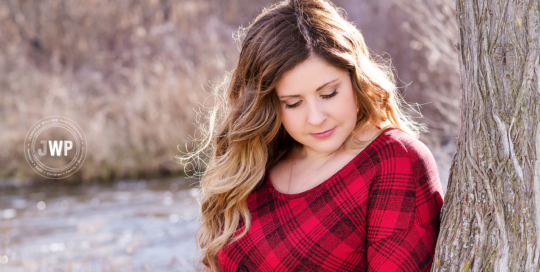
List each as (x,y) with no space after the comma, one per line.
(131,225)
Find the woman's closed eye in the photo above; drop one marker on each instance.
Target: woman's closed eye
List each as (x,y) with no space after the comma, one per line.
(323,96)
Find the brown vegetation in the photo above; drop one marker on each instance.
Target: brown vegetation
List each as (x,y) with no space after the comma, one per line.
(131,73)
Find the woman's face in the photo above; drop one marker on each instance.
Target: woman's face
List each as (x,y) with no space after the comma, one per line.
(315,97)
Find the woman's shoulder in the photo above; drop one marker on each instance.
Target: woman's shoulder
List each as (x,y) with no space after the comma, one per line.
(399,151)
(395,142)
(399,148)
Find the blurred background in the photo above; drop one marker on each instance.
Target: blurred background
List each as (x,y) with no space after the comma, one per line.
(133,74)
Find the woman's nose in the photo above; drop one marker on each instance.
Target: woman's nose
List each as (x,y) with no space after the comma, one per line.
(316,115)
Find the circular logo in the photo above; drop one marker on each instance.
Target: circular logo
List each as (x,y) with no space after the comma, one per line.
(55,147)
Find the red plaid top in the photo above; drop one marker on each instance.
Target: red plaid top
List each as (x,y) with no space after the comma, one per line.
(380,212)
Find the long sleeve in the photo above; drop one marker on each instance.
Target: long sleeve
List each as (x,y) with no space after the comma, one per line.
(403,210)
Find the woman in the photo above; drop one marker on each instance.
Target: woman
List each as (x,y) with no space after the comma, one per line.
(313,166)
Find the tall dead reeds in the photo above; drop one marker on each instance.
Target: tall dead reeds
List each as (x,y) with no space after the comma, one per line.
(132,73)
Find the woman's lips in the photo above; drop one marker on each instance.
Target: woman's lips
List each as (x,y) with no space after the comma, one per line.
(323,134)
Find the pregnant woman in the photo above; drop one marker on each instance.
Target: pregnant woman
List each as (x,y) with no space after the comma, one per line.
(313,166)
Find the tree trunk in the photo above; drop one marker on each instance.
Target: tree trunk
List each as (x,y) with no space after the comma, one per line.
(491,214)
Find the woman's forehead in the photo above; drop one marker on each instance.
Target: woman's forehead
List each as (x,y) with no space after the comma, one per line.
(308,76)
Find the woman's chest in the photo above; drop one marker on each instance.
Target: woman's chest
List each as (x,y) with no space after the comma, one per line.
(324,231)
(303,176)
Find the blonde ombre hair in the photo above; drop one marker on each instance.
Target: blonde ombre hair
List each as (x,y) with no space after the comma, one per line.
(243,135)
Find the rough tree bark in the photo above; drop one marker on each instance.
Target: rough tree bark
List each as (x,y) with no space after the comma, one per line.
(491,214)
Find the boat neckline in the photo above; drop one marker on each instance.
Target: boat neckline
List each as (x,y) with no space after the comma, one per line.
(344,170)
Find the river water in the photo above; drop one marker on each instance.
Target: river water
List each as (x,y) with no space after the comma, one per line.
(133,225)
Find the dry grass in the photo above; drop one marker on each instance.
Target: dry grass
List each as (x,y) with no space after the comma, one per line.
(128,72)
(131,72)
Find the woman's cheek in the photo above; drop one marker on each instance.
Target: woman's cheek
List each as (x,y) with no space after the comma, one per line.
(292,124)
(285,119)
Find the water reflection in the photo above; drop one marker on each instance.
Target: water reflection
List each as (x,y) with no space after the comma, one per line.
(134,225)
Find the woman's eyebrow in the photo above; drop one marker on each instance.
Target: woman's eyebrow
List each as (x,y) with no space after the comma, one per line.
(318,89)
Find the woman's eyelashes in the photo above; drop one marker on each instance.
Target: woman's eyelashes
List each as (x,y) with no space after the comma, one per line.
(330,95)
(323,96)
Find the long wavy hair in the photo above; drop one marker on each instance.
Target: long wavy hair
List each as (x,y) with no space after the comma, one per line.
(243,136)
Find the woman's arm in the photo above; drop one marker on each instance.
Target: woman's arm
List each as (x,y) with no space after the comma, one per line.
(403,210)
